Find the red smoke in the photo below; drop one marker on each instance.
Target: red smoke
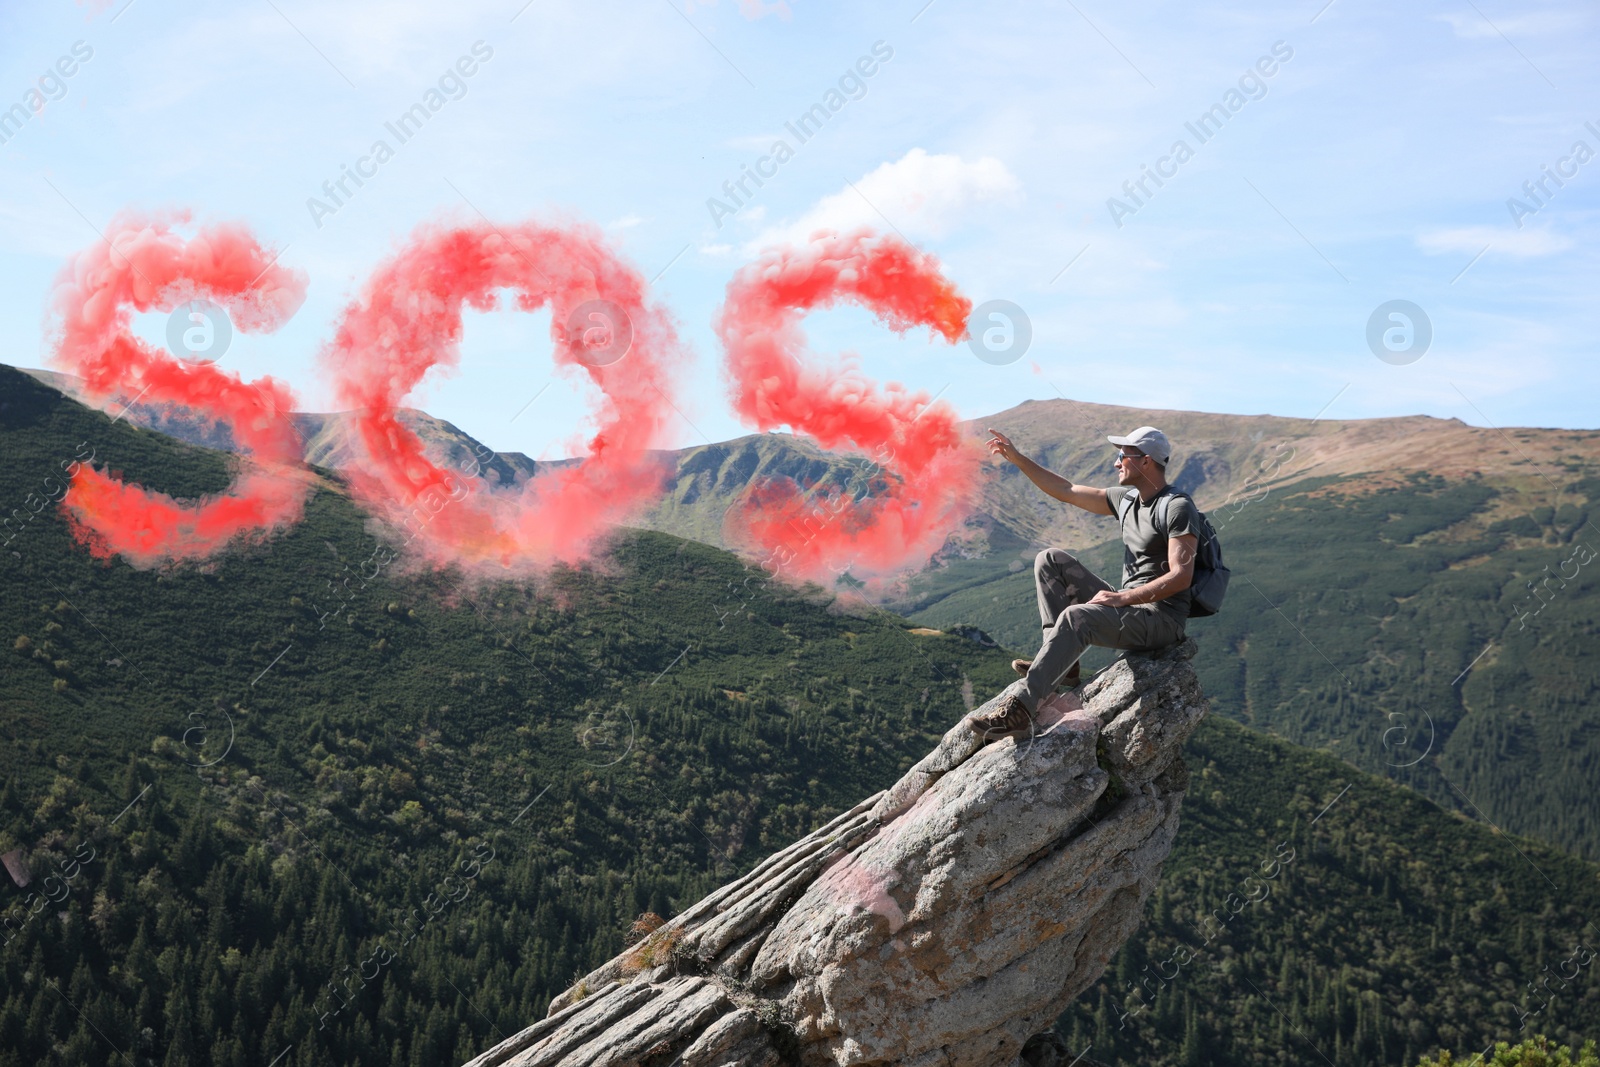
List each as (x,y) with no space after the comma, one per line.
(408,321)
(143,266)
(930,468)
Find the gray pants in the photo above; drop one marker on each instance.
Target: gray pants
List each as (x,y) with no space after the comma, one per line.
(1071,623)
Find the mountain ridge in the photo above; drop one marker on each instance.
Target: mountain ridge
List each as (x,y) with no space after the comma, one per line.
(1224,460)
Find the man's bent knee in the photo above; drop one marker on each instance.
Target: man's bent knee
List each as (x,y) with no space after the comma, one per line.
(1052,558)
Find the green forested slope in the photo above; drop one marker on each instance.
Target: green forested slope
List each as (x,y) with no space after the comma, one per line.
(274,810)
(1352,617)
(486,784)
(1311,913)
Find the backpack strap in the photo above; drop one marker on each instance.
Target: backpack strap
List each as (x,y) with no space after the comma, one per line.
(1162,517)
(1125,504)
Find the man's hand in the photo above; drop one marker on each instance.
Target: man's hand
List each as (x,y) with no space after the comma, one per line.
(1001,446)
(1112,598)
(1086,497)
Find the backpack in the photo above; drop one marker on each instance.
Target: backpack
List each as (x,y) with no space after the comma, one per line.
(1210,583)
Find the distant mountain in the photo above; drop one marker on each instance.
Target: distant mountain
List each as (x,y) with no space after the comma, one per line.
(1225,461)
(327,437)
(709,478)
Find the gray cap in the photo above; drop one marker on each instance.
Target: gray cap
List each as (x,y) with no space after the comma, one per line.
(1149,440)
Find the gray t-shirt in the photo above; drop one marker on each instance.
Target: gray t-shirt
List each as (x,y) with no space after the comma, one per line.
(1144,552)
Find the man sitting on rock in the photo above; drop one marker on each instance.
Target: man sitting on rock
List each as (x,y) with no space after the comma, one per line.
(1076,607)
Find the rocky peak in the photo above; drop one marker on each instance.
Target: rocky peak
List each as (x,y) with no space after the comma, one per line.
(945,921)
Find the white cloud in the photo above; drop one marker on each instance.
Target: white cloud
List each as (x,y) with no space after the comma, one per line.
(1472,26)
(918,194)
(626,222)
(1520,244)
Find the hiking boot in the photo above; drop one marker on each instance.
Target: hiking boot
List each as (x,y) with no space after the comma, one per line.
(1009,717)
(1073,677)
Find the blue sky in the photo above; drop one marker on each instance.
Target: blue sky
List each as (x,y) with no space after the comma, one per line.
(1374,164)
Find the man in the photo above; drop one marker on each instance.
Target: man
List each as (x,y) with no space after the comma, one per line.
(1076,607)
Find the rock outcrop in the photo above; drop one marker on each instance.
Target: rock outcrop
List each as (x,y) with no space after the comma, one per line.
(944,921)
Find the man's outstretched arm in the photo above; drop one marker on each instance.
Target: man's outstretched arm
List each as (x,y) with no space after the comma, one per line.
(1084,496)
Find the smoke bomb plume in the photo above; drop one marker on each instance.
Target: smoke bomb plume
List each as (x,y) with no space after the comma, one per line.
(144,266)
(407,321)
(929,467)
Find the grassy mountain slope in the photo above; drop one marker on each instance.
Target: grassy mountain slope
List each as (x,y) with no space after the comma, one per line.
(1234,460)
(296,804)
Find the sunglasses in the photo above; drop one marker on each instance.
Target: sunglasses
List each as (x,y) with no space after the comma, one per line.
(1123,457)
